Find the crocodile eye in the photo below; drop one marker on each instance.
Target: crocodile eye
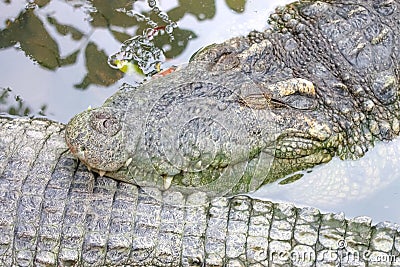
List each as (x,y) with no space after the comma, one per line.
(105,122)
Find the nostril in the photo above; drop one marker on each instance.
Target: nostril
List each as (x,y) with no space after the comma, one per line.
(108,123)
(105,122)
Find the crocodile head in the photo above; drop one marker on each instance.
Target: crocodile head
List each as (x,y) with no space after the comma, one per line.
(204,130)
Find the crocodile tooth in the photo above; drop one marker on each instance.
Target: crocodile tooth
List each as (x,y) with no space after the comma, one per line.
(368,136)
(102,173)
(128,162)
(89,107)
(167,182)
(198,164)
(374,127)
(81,154)
(395,126)
(359,151)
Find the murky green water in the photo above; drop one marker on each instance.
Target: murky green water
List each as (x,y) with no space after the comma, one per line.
(54,57)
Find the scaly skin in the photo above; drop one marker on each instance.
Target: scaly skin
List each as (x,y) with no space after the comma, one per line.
(54,212)
(322,82)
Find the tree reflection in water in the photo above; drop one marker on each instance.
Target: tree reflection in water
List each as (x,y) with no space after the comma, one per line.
(148,35)
(155,27)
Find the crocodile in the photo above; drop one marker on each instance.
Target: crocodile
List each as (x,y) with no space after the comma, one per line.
(55,212)
(321,82)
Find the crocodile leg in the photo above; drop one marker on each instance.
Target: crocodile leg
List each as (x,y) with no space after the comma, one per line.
(54,212)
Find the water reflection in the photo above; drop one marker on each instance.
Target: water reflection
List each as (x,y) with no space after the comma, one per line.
(367,186)
(29,33)
(14,105)
(34,35)
(73,39)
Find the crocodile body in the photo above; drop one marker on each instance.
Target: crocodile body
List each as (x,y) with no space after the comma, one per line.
(54,212)
(322,82)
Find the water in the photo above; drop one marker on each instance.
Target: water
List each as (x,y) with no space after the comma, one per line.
(72,40)
(56,86)
(368,186)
